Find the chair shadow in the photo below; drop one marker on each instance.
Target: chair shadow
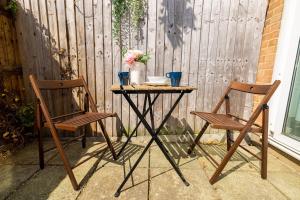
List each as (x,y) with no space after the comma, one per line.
(178,150)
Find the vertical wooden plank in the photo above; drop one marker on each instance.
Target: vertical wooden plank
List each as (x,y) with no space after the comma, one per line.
(218,84)
(238,53)
(117,67)
(99,55)
(159,57)
(247,51)
(46,49)
(125,114)
(117,103)
(168,47)
(212,47)
(90,58)
(134,98)
(177,43)
(151,38)
(2,58)
(142,45)
(63,53)
(203,57)
(230,43)
(258,19)
(20,23)
(45,36)
(54,39)
(194,62)
(2,45)
(37,40)
(211,61)
(28,42)
(72,46)
(108,60)
(80,35)
(9,51)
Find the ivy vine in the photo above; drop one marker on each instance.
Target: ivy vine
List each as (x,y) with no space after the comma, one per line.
(122,11)
(12,7)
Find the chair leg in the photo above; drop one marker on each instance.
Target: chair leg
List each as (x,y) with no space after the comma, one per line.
(41,150)
(228,136)
(264,149)
(227,157)
(83,140)
(38,127)
(65,160)
(264,156)
(110,146)
(198,138)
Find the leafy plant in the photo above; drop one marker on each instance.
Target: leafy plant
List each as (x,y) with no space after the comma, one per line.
(12,6)
(15,119)
(143,59)
(136,8)
(120,7)
(122,11)
(25,115)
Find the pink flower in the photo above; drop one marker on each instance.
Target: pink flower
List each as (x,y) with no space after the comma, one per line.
(130,59)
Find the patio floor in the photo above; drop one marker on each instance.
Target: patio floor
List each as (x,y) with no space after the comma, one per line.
(154,178)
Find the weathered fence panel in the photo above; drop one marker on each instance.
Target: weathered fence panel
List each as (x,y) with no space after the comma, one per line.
(211,41)
(11,78)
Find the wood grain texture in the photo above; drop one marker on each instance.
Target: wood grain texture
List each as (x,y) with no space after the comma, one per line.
(211,42)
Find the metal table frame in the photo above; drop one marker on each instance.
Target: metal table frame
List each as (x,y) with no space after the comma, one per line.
(150,129)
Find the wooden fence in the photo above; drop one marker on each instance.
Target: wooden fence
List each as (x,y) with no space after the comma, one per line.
(211,41)
(11,78)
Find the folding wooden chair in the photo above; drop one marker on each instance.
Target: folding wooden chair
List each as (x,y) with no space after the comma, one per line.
(68,122)
(230,123)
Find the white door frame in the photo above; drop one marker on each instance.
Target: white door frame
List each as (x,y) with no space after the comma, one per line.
(283,70)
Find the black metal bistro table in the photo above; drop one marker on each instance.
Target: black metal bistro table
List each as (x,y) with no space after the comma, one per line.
(147,91)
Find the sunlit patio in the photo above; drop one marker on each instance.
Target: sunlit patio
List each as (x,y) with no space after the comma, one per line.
(154,178)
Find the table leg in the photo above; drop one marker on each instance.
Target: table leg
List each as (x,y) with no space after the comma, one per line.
(145,111)
(151,112)
(154,138)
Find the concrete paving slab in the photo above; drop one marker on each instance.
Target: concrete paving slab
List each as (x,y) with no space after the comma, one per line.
(246,185)
(165,184)
(28,155)
(130,154)
(53,182)
(287,182)
(240,161)
(104,183)
(75,153)
(12,176)
(178,152)
(99,179)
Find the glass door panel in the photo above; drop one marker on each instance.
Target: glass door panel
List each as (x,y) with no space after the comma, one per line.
(291,127)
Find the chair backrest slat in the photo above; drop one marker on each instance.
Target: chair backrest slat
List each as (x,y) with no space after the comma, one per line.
(39,85)
(250,88)
(59,84)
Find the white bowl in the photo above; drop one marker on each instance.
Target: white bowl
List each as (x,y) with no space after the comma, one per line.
(157,79)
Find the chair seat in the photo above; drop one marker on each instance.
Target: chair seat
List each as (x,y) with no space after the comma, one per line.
(222,121)
(72,124)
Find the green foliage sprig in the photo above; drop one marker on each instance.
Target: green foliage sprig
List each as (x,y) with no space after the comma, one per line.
(12,6)
(136,12)
(122,11)
(119,9)
(143,58)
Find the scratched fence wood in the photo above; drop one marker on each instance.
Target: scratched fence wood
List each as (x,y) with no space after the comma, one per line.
(11,78)
(211,42)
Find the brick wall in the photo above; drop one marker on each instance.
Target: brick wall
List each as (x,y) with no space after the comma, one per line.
(269,44)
